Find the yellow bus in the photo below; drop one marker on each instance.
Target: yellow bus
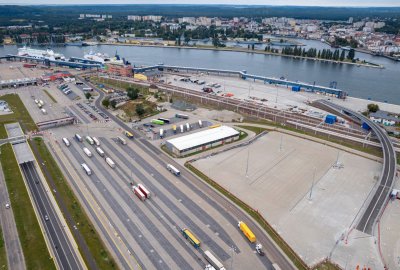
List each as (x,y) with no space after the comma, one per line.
(128,134)
(192,239)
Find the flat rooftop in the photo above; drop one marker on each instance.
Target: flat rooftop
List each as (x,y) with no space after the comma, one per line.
(203,137)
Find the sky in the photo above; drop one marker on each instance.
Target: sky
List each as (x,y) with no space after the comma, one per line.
(353,3)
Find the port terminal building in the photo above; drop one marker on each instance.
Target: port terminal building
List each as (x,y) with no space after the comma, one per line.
(201,141)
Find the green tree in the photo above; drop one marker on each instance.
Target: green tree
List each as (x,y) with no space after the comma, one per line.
(373,107)
(351,54)
(113,103)
(140,109)
(106,102)
(132,93)
(342,55)
(88,95)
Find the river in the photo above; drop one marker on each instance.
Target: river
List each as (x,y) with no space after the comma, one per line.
(363,82)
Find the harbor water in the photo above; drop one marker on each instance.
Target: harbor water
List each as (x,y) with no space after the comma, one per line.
(363,82)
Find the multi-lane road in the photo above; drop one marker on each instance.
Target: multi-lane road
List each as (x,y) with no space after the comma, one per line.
(217,201)
(56,232)
(376,205)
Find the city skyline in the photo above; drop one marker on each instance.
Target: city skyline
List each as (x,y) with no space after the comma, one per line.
(337,3)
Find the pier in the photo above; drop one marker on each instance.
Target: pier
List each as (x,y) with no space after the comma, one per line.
(338,93)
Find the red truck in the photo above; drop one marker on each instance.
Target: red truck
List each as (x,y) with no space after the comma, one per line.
(144,190)
(138,193)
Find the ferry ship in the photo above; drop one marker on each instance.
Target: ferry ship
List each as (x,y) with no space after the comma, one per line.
(102,58)
(40,54)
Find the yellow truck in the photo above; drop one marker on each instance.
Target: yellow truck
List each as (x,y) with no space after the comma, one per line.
(246,231)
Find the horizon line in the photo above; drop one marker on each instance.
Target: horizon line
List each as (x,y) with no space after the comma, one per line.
(195,4)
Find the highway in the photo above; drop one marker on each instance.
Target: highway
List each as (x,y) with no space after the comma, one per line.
(64,252)
(15,256)
(224,206)
(375,207)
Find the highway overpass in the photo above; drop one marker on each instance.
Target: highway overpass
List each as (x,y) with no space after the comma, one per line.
(375,206)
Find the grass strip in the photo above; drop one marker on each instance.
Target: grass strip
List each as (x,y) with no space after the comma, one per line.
(32,241)
(93,241)
(3,132)
(3,255)
(260,220)
(20,113)
(50,96)
(256,130)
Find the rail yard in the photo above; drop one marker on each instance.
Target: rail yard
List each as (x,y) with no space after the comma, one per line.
(152,212)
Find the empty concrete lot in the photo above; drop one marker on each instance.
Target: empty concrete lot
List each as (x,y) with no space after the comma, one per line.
(294,184)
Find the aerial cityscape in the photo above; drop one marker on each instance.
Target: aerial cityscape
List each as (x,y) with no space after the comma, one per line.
(197,135)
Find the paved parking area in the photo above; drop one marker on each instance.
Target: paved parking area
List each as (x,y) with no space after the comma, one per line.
(294,184)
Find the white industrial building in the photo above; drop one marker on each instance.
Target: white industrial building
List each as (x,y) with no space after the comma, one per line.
(202,140)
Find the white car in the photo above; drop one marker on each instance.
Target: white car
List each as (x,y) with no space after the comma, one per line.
(7,205)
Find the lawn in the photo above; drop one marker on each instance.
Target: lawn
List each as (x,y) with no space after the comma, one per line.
(20,113)
(50,96)
(3,255)
(96,246)
(32,241)
(256,130)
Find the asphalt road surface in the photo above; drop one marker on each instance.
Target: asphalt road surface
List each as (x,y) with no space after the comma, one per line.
(273,253)
(15,256)
(62,248)
(376,205)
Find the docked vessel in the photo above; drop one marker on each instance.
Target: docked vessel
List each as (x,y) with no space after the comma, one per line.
(102,58)
(40,54)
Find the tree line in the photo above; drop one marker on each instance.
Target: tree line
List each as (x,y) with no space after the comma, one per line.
(328,54)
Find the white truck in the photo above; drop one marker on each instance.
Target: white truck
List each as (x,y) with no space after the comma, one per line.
(86,169)
(87,152)
(110,162)
(174,170)
(181,127)
(100,151)
(96,141)
(66,142)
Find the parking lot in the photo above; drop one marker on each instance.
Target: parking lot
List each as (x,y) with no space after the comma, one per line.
(289,182)
(150,229)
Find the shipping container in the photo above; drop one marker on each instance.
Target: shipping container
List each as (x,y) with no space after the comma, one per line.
(78,137)
(89,140)
(192,239)
(200,123)
(157,122)
(110,162)
(181,127)
(246,231)
(128,134)
(87,89)
(174,129)
(144,190)
(138,193)
(183,116)
(86,169)
(87,152)
(330,119)
(96,141)
(121,140)
(66,141)
(161,133)
(296,88)
(365,126)
(213,260)
(187,127)
(174,170)
(100,151)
